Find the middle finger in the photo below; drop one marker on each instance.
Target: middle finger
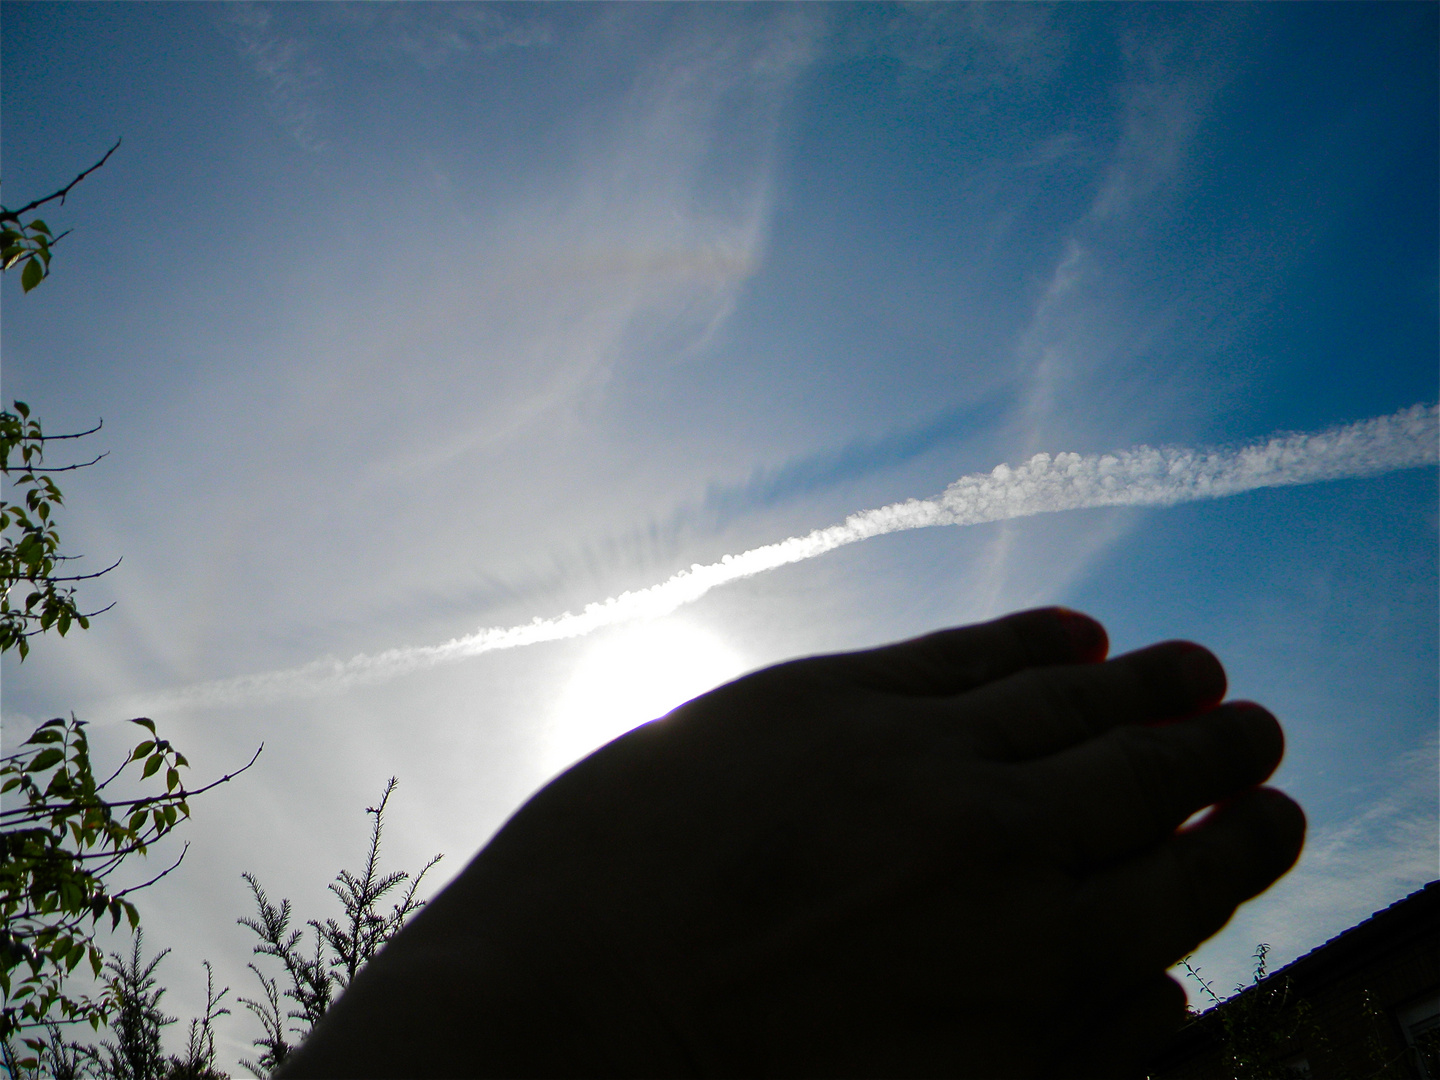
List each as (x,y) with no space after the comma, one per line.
(1044,710)
(1119,794)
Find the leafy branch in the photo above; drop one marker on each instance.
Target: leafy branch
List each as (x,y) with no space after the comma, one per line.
(30,551)
(29,242)
(60,848)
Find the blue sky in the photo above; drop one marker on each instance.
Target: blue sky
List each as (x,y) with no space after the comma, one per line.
(407,321)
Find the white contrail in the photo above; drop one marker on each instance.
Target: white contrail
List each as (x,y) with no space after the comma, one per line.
(1044,484)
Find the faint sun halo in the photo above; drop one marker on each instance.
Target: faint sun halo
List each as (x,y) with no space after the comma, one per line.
(631,676)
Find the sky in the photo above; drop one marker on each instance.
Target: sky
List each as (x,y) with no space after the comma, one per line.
(423,334)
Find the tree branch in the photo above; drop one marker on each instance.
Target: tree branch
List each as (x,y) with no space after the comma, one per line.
(74,435)
(14,215)
(36,617)
(84,577)
(157,877)
(45,812)
(67,468)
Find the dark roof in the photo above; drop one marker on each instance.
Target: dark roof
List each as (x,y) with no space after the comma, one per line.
(1388,930)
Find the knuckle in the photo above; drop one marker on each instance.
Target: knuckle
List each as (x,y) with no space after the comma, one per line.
(1089,699)
(1058,695)
(1144,757)
(1200,870)
(1025,637)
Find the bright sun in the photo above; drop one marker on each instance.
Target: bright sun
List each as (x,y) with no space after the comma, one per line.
(633,675)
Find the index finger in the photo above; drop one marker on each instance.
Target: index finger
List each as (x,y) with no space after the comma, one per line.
(954,661)
(1045,710)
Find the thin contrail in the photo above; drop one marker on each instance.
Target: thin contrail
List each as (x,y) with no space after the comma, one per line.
(1044,484)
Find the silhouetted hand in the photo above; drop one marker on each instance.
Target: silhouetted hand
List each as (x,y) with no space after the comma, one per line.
(959,855)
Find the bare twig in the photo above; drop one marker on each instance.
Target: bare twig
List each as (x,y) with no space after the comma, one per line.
(73,435)
(84,577)
(157,877)
(14,215)
(67,468)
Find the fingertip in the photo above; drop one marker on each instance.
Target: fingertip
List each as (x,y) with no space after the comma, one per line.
(1278,824)
(1088,641)
(1286,821)
(1264,736)
(1203,674)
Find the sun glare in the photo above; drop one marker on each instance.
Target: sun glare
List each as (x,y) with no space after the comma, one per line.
(633,675)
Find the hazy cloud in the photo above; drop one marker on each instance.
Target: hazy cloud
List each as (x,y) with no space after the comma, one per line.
(985,44)
(1140,477)
(282,62)
(1348,871)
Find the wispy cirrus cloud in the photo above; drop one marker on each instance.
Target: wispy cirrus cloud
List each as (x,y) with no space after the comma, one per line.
(282,62)
(986,44)
(430,35)
(1088,330)
(1362,863)
(437,34)
(825,469)
(434,35)
(1142,476)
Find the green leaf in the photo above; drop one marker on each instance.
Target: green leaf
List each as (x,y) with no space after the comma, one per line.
(142,750)
(36,225)
(172,779)
(143,721)
(152,765)
(32,274)
(45,759)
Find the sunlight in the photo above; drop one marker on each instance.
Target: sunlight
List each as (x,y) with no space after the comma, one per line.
(633,675)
